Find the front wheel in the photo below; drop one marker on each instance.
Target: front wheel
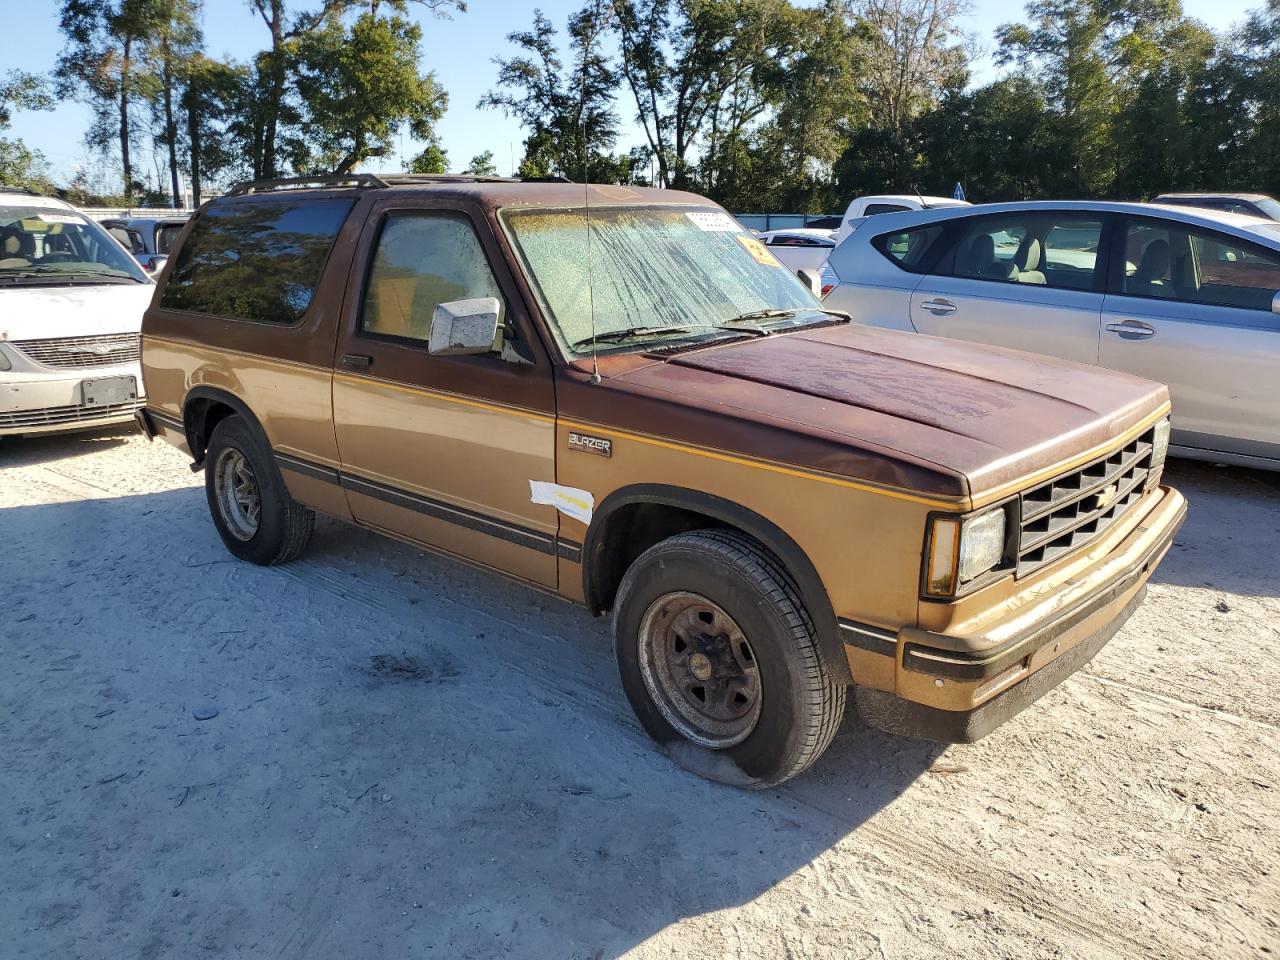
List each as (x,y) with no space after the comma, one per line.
(718,657)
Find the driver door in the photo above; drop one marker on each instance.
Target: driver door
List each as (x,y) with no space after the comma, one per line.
(441,449)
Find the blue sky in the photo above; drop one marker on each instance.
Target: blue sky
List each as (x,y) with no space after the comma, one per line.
(460,51)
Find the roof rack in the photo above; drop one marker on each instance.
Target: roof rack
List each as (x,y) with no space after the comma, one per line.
(303,183)
(401,179)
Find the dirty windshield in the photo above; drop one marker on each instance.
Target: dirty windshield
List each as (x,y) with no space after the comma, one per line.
(45,245)
(655,275)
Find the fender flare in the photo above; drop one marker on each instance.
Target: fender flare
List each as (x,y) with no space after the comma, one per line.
(216,395)
(793,559)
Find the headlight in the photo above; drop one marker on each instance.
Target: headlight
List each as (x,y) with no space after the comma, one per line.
(960,551)
(1160,450)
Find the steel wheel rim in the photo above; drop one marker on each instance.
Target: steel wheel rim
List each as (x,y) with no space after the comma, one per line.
(236,490)
(700,670)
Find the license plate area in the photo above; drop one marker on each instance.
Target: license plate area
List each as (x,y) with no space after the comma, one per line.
(108,391)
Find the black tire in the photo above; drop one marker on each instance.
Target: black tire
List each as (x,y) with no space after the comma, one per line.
(800,703)
(283,526)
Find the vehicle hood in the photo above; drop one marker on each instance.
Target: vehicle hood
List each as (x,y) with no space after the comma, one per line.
(28,313)
(987,415)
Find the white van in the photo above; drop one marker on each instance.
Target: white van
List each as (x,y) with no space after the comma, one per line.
(863,207)
(71,305)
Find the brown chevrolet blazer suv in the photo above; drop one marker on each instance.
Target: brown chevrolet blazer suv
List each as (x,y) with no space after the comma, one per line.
(618,396)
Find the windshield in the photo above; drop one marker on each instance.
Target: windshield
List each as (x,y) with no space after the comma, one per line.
(653,267)
(1270,207)
(42,245)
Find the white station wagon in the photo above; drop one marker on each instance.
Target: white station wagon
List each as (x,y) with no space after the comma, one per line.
(1186,296)
(71,305)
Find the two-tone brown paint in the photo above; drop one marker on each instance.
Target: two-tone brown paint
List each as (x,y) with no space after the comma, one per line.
(842,438)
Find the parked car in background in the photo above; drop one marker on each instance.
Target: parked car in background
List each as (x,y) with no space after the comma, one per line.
(1248,204)
(149,239)
(863,207)
(1184,295)
(71,305)
(641,410)
(803,248)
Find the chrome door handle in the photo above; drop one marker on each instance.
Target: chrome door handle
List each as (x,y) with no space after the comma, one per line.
(1132,330)
(939,306)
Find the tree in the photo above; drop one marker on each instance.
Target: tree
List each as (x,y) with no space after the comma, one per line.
(102,61)
(482,165)
(568,111)
(20,166)
(359,83)
(172,43)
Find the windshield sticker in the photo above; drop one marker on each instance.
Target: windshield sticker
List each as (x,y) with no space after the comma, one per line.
(713,222)
(570,501)
(758,251)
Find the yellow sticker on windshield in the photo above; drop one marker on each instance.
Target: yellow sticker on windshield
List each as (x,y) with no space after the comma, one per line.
(758,251)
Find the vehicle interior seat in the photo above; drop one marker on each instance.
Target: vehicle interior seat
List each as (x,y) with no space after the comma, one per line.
(17,248)
(985,264)
(1148,280)
(1028,262)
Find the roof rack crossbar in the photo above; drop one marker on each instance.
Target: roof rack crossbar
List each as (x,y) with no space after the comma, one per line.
(298,183)
(393,179)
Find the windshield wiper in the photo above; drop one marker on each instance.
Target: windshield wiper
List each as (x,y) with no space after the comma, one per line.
(67,276)
(774,313)
(635,333)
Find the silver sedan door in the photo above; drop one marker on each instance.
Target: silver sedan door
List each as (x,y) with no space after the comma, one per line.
(1023,280)
(1193,308)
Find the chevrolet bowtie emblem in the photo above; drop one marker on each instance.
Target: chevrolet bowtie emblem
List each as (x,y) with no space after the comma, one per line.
(1105,496)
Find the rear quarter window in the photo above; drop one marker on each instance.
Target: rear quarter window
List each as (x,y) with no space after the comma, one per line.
(909,249)
(255,261)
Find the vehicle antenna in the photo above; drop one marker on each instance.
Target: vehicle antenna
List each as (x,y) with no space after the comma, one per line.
(920,197)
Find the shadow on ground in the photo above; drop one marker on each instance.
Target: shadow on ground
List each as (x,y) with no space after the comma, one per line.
(29,451)
(495,800)
(1215,548)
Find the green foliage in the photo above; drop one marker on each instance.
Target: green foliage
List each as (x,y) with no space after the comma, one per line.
(359,83)
(482,165)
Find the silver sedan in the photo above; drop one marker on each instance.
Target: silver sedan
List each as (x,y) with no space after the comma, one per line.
(1186,296)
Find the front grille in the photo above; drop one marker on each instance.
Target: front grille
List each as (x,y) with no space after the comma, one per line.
(1067,512)
(72,353)
(73,413)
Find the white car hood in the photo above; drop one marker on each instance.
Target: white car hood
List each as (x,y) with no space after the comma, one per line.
(30,313)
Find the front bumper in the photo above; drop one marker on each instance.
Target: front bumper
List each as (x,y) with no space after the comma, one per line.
(50,403)
(958,689)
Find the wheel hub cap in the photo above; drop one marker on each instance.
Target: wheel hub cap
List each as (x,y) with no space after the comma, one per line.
(237,494)
(700,670)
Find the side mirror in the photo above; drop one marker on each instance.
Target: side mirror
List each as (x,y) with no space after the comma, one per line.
(811,279)
(1275,303)
(154,264)
(464,327)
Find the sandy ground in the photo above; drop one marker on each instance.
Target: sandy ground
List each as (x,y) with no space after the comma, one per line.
(493,797)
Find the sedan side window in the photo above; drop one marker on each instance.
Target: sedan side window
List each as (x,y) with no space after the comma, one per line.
(1171,262)
(1046,250)
(424,260)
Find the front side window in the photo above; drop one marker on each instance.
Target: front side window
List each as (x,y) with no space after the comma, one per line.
(1170,262)
(1057,251)
(54,245)
(669,271)
(423,260)
(256,261)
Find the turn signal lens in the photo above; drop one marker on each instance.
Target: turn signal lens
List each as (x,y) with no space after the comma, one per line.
(944,550)
(1159,452)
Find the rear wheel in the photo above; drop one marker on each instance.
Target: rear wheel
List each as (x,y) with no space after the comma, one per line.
(718,657)
(251,507)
